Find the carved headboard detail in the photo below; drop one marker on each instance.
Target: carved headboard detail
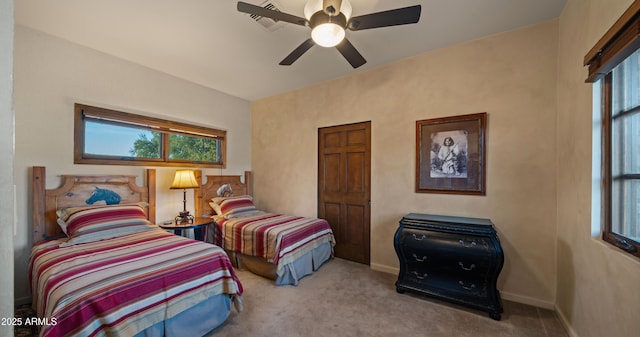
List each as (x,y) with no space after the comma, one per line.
(209,189)
(84,190)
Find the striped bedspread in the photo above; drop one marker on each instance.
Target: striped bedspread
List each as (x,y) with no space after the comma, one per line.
(280,239)
(120,286)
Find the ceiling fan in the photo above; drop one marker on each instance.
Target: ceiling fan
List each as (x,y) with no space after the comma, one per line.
(328,20)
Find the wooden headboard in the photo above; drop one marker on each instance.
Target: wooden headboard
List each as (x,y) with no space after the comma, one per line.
(76,190)
(209,190)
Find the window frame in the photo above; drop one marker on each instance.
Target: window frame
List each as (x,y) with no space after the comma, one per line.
(165,127)
(627,244)
(620,42)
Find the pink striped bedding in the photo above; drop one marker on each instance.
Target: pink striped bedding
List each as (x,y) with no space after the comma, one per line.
(123,285)
(280,239)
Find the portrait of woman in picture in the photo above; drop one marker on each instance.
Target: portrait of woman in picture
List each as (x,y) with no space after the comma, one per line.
(449,154)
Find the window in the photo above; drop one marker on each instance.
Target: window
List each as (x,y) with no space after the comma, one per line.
(615,62)
(108,137)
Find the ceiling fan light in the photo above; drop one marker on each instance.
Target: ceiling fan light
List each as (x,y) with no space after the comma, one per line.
(327,34)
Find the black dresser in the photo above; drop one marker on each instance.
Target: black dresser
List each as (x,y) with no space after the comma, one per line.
(450,258)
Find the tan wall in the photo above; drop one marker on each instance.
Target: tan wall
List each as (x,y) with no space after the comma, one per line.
(511,76)
(52,74)
(7,202)
(597,285)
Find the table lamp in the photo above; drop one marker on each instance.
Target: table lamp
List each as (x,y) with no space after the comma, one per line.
(184,179)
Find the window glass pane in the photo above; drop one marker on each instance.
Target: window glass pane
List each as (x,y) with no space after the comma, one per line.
(104,139)
(109,137)
(626,208)
(626,145)
(626,84)
(192,148)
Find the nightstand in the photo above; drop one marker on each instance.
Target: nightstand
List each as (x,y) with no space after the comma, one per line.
(198,225)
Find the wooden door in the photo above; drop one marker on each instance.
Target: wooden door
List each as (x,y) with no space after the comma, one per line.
(344,192)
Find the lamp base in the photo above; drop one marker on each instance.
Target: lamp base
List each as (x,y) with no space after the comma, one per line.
(184,217)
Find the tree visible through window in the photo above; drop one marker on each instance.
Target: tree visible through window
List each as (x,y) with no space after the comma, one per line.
(202,149)
(105,136)
(144,147)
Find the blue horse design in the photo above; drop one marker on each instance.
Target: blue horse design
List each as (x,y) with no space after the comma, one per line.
(109,196)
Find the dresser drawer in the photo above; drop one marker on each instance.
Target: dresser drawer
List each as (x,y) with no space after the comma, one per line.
(421,245)
(433,260)
(472,289)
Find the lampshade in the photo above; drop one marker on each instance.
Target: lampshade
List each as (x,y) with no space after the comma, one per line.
(184,179)
(327,34)
(327,30)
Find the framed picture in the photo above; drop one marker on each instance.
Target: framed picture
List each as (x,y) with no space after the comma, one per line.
(450,154)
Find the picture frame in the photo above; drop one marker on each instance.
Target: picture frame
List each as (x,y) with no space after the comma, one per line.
(450,155)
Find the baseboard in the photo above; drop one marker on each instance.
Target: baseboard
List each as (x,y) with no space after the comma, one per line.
(22,300)
(505,295)
(527,300)
(540,304)
(384,269)
(565,322)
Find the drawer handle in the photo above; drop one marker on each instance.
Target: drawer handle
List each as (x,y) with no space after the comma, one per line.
(471,287)
(466,268)
(473,243)
(422,277)
(419,239)
(418,259)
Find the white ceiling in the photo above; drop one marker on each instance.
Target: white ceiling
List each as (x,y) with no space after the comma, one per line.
(208,42)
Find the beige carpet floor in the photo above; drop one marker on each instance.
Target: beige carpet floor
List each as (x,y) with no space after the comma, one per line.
(344,298)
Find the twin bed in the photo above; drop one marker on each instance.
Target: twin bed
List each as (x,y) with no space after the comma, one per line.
(100,265)
(281,247)
(114,272)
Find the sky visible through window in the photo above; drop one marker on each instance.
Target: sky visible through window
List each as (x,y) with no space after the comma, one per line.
(110,139)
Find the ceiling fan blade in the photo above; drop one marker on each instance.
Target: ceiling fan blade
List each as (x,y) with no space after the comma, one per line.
(268,13)
(331,7)
(350,53)
(296,53)
(394,17)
